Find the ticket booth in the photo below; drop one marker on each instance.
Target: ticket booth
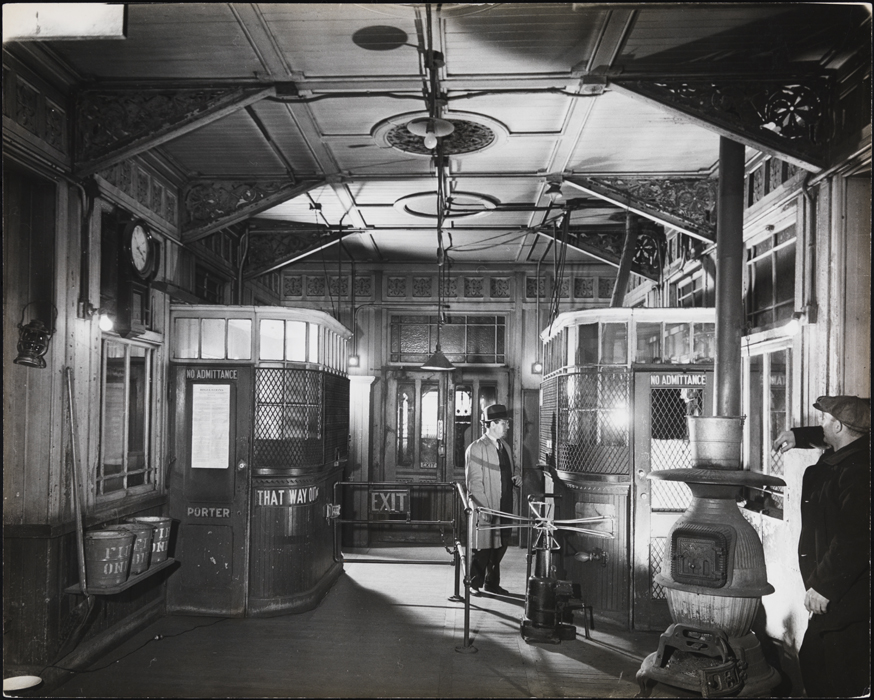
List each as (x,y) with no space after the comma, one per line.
(618,384)
(259,433)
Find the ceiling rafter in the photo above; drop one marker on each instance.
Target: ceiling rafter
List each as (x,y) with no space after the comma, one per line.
(784,117)
(113,125)
(685,204)
(211,205)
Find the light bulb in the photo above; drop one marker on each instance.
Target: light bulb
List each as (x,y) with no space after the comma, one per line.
(430,141)
(105,322)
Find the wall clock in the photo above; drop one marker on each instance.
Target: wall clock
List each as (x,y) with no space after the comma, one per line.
(141,250)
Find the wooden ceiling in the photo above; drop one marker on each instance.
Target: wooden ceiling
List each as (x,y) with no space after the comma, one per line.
(299,104)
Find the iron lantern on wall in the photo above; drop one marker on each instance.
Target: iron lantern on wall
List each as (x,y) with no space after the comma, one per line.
(33,340)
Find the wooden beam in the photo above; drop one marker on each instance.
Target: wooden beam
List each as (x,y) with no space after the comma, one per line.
(114,125)
(209,206)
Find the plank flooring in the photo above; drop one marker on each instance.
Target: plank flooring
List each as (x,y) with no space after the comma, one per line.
(383,630)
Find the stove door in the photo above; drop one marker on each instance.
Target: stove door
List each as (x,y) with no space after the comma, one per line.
(662,400)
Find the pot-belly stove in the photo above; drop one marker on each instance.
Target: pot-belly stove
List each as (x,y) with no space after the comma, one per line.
(714,575)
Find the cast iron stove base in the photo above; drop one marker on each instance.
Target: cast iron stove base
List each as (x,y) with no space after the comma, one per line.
(709,663)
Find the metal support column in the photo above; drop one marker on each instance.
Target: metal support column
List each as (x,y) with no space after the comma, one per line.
(632,226)
(729,279)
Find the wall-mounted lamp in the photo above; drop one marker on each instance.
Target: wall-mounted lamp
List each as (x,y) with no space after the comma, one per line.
(33,340)
(104,320)
(554,192)
(537,368)
(353,361)
(800,318)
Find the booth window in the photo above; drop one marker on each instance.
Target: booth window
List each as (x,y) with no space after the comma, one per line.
(767,375)
(126,464)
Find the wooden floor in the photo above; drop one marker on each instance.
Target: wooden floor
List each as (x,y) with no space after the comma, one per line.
(384,630)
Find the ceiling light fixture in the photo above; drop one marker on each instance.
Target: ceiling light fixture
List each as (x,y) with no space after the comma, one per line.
(430,130)
(554,192)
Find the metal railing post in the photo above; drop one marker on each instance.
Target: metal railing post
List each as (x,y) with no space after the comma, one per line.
(467,647)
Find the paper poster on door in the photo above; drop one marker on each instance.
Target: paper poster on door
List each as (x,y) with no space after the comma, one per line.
(210,426)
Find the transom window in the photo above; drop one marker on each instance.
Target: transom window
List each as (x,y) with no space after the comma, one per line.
(463,339)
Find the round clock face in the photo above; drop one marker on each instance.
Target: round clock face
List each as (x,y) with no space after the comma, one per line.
(140,248)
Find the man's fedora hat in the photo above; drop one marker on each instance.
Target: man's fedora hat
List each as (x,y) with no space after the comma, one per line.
(497,411)
(852,411)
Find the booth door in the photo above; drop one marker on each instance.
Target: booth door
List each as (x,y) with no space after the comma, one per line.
(209,488)
(474,391)
(662,400)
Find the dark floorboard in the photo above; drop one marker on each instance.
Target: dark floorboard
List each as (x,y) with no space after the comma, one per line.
(383,630)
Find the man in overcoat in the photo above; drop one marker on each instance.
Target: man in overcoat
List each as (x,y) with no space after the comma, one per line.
(834,548)
(491,474)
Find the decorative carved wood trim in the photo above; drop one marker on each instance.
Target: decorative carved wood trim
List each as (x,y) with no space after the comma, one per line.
(211,205)
(269,251)
(113,125)
(786,118)
(687,204)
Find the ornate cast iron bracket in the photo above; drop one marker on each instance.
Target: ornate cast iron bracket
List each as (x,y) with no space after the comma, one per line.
(607,247)
(112,125)
(784,118)
(687,204)
(276,247)
(211,205)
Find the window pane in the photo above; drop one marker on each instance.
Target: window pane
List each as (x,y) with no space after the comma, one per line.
(239,339)
(406,421)
(185,338)
(137,407)
(313,355)
(272,334)
(756,410)
(677,343)
(113,405)
(649,342)
(614,344)
(587,345)
(463,425)
(428,435)
(704,342)
(213,347)
(296,341)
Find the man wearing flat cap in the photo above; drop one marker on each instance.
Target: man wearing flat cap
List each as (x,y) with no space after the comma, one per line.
(491,475)
(834,547)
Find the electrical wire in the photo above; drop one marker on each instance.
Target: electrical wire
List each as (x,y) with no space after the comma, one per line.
(156,638)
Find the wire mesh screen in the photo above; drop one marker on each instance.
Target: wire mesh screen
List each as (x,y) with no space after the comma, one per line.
(548,418)
(657,547)
(593,422)
(288,418)
(336,416)
(669,446)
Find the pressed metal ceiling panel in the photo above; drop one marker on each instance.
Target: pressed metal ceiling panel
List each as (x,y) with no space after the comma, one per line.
(623,135)
(167,41)
(337,116)
(542,113)
(535,38)
(737,34)
(316,40)
(231,146)
(300,209)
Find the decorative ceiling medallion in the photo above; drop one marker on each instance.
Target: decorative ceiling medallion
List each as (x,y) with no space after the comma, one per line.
(462,205)
(472,133)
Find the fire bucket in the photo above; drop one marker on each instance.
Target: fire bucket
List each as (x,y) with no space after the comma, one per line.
(107,557)
(715,441)
(142,552)
(161,537)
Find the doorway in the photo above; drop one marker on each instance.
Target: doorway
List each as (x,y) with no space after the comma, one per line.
(662,401)
(431,418)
